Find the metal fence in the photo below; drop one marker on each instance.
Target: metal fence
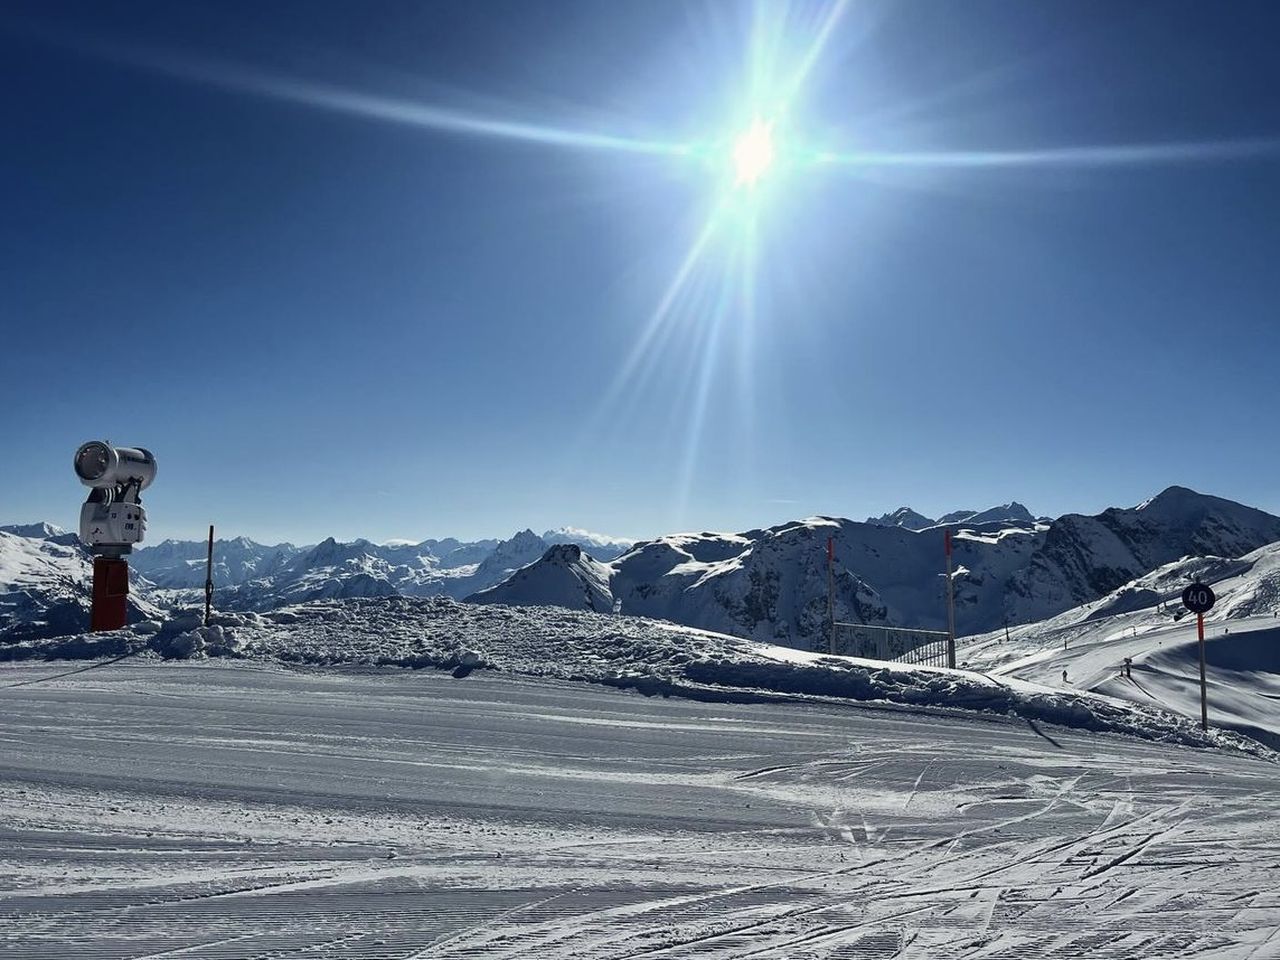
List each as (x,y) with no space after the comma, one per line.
(903,645)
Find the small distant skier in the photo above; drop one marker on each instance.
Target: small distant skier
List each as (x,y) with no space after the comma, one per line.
(1128,664)
(1064,676)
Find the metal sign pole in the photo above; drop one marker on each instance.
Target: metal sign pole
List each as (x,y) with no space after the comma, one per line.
(208,579)
(1199,599)
(1204,693)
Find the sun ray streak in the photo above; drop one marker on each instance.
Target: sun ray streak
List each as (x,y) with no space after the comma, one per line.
(664,312)
(834,14)
(747,334)
(244,79)
(644,354)
(1119,155)
(710,350)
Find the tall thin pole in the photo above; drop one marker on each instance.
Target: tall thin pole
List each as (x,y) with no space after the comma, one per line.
(831,594)
(951,607)
(1204,694)
(208,580)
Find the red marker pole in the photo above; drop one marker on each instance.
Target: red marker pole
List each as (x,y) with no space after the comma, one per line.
(1204,694)
(951,606)
(831,594)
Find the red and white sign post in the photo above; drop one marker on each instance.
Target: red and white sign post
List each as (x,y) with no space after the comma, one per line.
(831,594)
(1199,599)
(951,604)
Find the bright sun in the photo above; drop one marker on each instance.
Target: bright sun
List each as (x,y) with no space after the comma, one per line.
(753,153)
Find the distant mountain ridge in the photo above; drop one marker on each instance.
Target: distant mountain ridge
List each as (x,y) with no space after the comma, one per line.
(45,572)
(768,584)
(35,531)
(1009,567)
(909,519)
(181,563)
(250,575)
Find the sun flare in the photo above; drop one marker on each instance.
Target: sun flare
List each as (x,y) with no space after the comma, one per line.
(753,153)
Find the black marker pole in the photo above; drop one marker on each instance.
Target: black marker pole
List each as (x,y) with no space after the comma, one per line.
(208,579)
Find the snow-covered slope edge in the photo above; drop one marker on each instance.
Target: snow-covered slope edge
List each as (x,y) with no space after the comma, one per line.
(627,652)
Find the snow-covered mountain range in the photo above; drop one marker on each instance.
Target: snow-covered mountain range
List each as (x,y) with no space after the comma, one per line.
(46,580)
(764,584)
(332,569)
(45,573)
(250,575)
(181,563)
(911,520)
(771,584)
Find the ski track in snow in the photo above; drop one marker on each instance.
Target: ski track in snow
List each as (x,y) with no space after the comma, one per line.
(234,809)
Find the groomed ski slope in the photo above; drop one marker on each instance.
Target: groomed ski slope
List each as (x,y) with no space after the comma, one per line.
(231,809)
(1145,622)
(633,653)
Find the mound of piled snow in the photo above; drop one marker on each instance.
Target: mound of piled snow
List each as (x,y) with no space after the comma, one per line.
(649,656)
(182,635)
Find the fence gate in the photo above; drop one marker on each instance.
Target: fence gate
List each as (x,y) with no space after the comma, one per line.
(898,644)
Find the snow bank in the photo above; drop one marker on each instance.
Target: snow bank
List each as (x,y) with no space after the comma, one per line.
(181,636)
(645,655)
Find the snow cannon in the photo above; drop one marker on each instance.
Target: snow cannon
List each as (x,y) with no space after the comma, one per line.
(100,465)
(112,520)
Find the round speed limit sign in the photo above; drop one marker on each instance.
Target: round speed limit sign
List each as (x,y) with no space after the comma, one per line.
(1198,598)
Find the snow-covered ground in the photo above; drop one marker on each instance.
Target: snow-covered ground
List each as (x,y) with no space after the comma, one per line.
(247,809)
(628,652)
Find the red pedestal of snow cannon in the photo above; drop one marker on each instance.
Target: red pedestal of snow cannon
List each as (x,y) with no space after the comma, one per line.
(110,594)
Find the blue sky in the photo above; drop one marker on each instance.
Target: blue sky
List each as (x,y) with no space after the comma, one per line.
(352,269)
